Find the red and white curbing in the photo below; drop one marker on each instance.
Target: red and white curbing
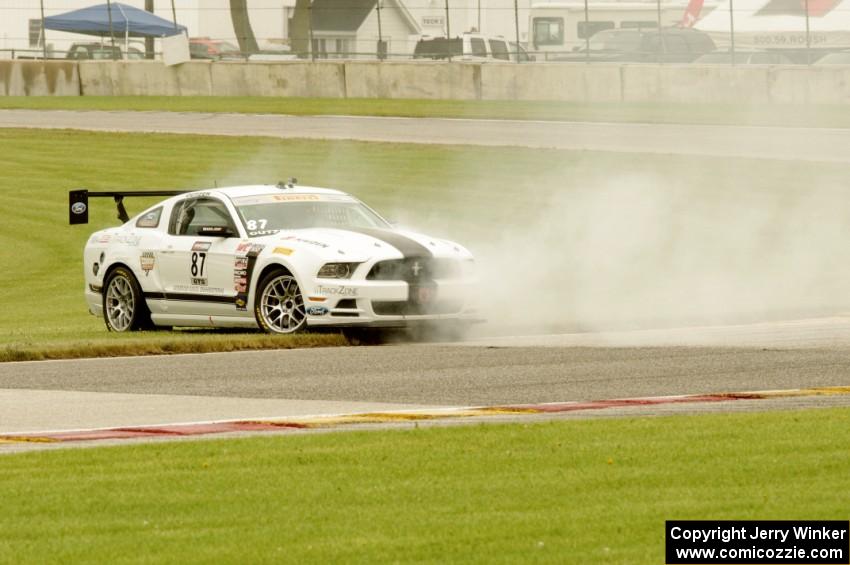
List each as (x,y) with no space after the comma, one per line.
(338,421)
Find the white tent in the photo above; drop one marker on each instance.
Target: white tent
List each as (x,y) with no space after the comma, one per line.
(772,24)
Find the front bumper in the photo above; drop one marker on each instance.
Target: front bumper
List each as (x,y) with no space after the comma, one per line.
(390,303)
(94,300)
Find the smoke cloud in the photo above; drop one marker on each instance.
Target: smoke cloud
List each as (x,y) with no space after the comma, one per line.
(645,251)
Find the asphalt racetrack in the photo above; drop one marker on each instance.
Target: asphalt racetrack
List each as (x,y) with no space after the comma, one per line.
(805,144)
(97,394)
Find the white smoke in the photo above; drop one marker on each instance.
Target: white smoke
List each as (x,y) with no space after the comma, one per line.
(645,251)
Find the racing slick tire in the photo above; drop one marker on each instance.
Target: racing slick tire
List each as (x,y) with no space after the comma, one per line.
(279,304)
(124,307)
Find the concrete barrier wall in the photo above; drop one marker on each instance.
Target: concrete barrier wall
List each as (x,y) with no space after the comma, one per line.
(828,86)
(433,80)
(696,84)
(816,85)
(144,78)
(430,80)
(551,81)
(38,78)
(297,78)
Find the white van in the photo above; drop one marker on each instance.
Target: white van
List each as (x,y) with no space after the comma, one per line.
(469,47)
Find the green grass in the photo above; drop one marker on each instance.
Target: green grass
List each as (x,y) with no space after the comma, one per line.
(593,491)
(159,343)
(464,193)
(762,114)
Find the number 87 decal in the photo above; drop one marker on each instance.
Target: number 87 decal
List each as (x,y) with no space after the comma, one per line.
(195,270)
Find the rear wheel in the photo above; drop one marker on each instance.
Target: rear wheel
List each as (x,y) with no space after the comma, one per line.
(279,305)
(124,307)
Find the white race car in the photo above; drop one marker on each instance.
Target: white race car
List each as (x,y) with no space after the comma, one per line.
(281,258)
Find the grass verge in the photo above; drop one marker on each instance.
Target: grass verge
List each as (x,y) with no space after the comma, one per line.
(594,491)
(726,114)
(167,343)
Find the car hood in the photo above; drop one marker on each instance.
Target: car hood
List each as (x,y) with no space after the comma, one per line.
(361,244)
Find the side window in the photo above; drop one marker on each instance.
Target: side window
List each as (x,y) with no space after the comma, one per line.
(479,48)
(149,219)
(548,31)
(499,49)
(588,29)
(675,44)
(189,215)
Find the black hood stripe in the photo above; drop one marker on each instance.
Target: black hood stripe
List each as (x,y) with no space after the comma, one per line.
(408,247)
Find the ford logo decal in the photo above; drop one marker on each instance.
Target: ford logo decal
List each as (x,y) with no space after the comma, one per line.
(78,208)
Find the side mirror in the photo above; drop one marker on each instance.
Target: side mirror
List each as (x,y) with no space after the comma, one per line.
(215,231)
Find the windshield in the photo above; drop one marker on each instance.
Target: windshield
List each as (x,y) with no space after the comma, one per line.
(269,214)
(438,48)
(615,41)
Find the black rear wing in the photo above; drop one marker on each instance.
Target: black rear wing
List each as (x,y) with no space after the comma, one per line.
(78,202)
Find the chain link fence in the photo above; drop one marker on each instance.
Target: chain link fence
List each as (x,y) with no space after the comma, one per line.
(520,31)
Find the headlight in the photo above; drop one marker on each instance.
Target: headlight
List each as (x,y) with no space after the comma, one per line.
(337,270)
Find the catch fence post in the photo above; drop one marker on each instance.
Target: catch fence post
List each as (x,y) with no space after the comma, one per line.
(808,37)
(43,35)
(449,32)
(732,27)
(516,24)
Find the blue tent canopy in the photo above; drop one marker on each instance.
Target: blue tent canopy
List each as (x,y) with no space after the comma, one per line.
(126,20)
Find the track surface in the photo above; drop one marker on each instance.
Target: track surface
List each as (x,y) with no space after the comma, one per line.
(133,392)
(443,375)
(136,391)
(810,144)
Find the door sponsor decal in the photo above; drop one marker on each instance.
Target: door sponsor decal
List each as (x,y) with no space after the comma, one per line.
(147,261)
(243,270)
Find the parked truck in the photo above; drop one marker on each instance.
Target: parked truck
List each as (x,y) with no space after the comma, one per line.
(557,28)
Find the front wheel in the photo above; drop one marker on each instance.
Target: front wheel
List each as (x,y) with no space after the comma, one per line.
(124,307)
(279,305)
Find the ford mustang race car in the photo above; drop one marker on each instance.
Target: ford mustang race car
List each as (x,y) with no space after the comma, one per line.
(281,258)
